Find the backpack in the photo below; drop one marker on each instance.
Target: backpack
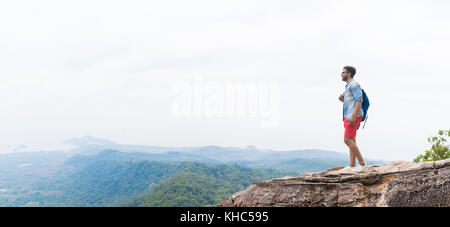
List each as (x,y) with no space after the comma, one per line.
(365,107)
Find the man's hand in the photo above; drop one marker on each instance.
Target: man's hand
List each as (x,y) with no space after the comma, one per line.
(352,120)
(341,98)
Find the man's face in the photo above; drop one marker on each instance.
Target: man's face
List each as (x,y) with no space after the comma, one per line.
(345,75)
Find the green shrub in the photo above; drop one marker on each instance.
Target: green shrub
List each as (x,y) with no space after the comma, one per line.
(439,149)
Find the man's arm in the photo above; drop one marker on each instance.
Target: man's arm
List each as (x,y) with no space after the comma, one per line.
(355,112)
(358,96)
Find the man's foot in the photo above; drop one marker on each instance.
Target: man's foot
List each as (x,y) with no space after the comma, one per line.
(347,168)
(358,168)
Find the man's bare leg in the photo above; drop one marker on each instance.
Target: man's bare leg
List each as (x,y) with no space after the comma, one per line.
(350,145)
(354,151)
(357,153)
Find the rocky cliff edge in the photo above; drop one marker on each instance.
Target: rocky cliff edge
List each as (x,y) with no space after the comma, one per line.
(400,183)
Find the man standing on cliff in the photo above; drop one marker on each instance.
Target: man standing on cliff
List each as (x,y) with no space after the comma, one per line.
(353,113)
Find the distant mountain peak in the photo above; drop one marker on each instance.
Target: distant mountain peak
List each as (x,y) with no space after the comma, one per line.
(109,151)
(251,147)
(88,140)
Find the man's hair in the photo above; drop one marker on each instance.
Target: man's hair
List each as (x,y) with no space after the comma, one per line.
(351,70)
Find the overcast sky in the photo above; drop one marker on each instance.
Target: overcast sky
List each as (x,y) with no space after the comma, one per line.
(107,68)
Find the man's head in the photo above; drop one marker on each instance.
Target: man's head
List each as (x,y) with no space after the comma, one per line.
(348,72)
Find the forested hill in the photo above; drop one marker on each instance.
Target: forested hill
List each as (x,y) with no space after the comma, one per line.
(197,184)
(145,183)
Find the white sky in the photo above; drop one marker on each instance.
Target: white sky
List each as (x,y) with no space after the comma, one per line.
(106,68)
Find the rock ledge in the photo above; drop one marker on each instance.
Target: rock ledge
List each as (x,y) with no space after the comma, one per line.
(400,183)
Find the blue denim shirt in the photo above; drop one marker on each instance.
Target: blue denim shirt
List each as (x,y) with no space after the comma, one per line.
(352,94)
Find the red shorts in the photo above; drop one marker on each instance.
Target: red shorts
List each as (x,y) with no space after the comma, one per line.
(350,130)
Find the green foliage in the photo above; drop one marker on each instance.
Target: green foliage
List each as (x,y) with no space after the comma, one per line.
(197,184)
(439,149)
(103,183)
(143,183)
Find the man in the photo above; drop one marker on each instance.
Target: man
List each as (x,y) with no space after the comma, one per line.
(353,113)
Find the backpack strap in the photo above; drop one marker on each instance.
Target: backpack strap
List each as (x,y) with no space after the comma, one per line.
(367,117)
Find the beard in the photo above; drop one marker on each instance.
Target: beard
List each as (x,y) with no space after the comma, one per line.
(344,78)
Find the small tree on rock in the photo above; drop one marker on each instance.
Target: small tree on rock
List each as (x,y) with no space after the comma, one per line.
(439,149)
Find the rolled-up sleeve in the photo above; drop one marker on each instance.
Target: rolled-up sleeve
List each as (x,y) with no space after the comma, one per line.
(356,92)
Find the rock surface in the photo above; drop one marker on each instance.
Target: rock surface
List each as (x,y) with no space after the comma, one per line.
(398,184)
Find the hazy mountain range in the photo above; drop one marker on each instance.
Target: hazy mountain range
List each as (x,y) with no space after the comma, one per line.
(60,178)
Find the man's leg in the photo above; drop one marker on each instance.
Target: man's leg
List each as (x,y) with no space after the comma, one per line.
(357,153)
(354,151)
(349,139)
(349,142)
